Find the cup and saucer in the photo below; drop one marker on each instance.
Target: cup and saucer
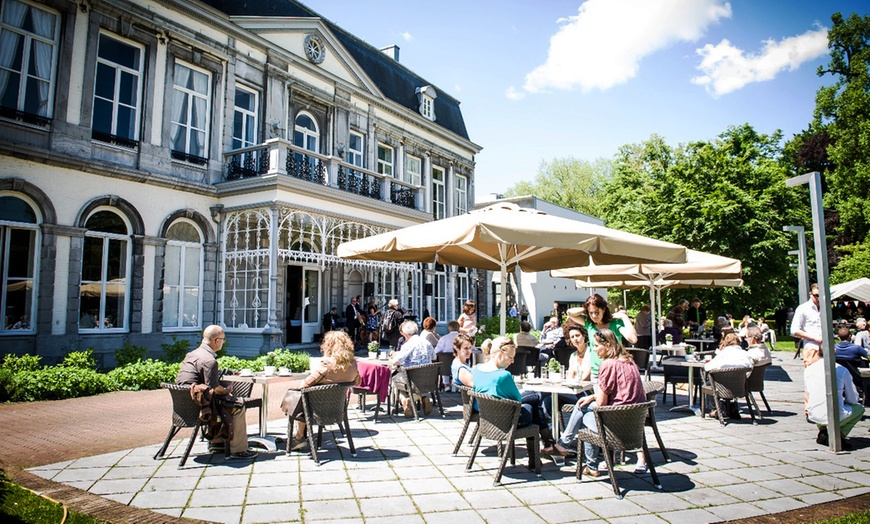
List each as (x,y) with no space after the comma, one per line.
(283,372)
(246,373)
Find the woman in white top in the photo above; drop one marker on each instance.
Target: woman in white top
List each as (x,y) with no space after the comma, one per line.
(468,319)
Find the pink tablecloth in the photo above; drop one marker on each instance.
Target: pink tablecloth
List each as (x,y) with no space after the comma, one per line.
(374,377)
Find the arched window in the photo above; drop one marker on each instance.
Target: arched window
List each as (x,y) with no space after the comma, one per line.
(18,260)
(305,133)
(105,272)
(182,276)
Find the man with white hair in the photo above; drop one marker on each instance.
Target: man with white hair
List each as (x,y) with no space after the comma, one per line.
(415,351)
(861,338)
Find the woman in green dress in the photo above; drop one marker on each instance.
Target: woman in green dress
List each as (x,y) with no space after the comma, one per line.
(595,315)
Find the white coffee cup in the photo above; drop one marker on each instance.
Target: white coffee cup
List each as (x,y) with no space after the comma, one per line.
(245,373)
(269,370)
(283,371)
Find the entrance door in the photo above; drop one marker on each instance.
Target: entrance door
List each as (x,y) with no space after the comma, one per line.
(302,304)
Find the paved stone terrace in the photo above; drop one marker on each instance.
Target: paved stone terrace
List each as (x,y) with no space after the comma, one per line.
(405,471)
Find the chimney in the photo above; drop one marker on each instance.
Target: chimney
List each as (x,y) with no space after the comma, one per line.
(391,51)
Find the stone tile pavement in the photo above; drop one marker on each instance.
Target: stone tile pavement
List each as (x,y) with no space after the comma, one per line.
(405,472)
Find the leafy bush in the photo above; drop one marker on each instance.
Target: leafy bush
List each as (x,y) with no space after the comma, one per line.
(6,377)
(18,363)
(236,363)
(295,361)
(143,374)
(80,359)
(130,354)
(58,382)
(175,350)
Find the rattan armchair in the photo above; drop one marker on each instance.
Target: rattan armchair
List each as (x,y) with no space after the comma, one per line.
(420,380)
(755,384)
(498,421)
(518,366)
(620,428)
(323,405)
(726,384)
(468,416)
(185,414)
(652,389)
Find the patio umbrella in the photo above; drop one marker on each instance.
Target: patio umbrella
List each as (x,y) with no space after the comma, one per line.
(855,289)
(503,236)
(699,270)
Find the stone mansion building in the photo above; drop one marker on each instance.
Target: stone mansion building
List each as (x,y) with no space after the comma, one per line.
(169,164)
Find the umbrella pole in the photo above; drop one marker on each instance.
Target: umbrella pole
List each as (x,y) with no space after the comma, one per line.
(653,324)
(502,311)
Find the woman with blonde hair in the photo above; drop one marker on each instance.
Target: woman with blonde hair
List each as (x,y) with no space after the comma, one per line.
(337,365)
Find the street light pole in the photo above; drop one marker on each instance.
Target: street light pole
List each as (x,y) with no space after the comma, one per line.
(814,180)
(803,274)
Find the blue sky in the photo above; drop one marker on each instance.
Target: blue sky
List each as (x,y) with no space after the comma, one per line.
(540,80)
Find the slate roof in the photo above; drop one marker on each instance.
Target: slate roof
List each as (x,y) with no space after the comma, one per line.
(395,81)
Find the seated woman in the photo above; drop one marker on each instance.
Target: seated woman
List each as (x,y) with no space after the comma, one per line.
(461,371)
(619,383)
(578,366)
(492,378)
(337,365)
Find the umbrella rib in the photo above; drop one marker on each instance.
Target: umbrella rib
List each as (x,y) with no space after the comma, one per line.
(528,253)
(479,253)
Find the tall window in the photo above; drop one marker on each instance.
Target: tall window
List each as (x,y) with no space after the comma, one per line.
(245,118)
(356,149)
(438,200)
(385,160)
(191,94)
(460,196)
(117,91)
(413,170)
(182,278)
(305,134)
(246,271)
(18,243)
(461,293)
(439,293)
(105,270)
(28,54)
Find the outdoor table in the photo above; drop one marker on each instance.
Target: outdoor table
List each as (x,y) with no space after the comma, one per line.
(570,387)
(264,380)
(691,364)
(374,378)
(673,349)
(701,342)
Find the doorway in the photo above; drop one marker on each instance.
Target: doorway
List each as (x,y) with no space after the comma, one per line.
(302,304)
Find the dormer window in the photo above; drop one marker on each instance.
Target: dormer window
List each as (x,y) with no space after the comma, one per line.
(426,96)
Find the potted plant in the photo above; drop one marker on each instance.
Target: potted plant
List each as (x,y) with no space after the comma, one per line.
(554,368)
(374,348)
(669,339)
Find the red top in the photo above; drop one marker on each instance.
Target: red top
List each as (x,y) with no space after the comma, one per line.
(620,380)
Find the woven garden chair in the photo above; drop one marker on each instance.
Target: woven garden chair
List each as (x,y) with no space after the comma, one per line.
(641,359)
(563,355)
(679,375)
(185,414)
(243,391)
(653,388)
(518,366)
(726,384)
(422,380)
(446,361)
(468,416)
(322,405)
(533,358)
(620,428)
(755,384)
(498,421)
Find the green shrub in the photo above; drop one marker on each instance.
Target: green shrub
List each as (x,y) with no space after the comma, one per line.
(18,363)
(6,377)
(236,363)
(130,354)
(143,374)
(80,359)
(175,350)
(295,361)
(58,382)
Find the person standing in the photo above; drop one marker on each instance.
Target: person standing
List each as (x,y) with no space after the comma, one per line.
(390,324)
(594,316)
(816,397)
(524,313)
(779,317)
(696,316)
(200,366)
(350,319)
(677,314)
(807,322)
(468,319)
(643,326)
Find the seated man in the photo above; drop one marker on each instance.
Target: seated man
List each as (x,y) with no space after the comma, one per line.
(816,397)
(861,338)
(730,356)
(757,349)
(524,338)
(415,351)
(200,367)
(445,343)
(845,348)
(669,329)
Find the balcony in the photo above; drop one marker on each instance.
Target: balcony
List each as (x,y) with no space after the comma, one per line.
(279,157)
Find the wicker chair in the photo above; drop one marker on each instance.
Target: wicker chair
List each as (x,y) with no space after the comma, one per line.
(468,416)
(518,366)
(185,414)
(563,355)
(533,358)
(422,380)
(446,361)
(653,388)
(726,384)
(620,428)
(498,421)
(679,375)
(641,358)
(323,405)
(755,384)
(243,391)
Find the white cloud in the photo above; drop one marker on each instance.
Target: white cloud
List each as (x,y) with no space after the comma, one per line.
(407,36)
(512,93)
(602,45)
(727,68)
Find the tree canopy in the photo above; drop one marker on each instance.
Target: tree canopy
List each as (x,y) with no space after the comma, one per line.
(568,182)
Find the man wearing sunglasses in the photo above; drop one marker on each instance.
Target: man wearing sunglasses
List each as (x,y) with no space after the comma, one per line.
(807,322)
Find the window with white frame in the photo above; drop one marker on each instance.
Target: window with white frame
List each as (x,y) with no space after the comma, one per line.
(117,90)
(246,271)
(438,193)
(305,133)
(439,292)
(426,96)
(385,160)
(413,170)
(28,57)
(191,97)
(244,118)
(105,269)
(355,149)
(19,234)
(461,293)
(460,195)
(182,276)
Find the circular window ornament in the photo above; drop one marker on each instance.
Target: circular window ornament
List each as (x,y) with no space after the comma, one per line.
(314,49)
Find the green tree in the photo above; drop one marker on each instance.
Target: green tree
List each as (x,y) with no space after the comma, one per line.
(854,264)
(568,182)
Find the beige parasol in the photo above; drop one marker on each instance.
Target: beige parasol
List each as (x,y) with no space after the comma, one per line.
(504,235)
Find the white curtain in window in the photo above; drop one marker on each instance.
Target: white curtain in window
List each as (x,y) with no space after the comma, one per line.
(43,23)
(199,114)
(182,76)
(13,15)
